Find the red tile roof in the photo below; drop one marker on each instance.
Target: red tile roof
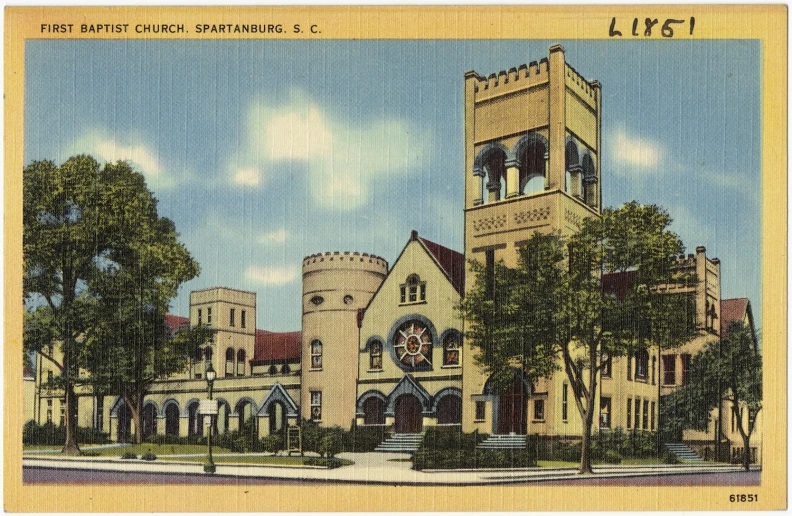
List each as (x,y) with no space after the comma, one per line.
(175,322)
(27,372)
(274,347)
(452,262)
(732,310)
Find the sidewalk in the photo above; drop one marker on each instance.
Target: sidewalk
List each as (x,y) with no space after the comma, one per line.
(378,468)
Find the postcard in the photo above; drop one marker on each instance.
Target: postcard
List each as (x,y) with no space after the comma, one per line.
(358,258)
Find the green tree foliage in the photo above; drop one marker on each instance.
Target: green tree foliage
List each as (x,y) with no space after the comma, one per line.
(727,371)
(99,266)
(554,311)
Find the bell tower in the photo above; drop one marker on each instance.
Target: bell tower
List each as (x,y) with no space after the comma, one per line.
(532,163)
(532,155)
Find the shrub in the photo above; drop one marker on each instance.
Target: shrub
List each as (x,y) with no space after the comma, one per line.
(324,441)
(148,456)
(50,434)
(331,443)
(174,439)
(363,438)
(129,455)
(450,448)
(329,463)
(272,443)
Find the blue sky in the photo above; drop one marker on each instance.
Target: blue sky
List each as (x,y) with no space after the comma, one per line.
(263,152)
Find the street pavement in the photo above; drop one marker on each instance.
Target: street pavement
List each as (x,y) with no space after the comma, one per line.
(377,468)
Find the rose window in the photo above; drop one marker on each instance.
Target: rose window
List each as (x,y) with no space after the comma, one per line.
(413,345)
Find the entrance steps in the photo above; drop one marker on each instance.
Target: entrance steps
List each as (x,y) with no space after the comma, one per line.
(400,443)
(683,452)
(503,442)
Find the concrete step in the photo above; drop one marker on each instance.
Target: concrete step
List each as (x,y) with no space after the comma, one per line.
(683,452)
(405,443)
(503,442)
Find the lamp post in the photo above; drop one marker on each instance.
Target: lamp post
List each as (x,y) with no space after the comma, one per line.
(209,467)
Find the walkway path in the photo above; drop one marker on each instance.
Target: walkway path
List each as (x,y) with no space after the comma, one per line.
(380,468)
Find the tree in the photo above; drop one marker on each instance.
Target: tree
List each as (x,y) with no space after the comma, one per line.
(556,311)
(82,224)
(730,371)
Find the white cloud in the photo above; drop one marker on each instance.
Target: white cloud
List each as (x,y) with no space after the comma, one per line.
(278,236)
(140,156)
(247,176)
(635,151)
(342,158)
(271,275)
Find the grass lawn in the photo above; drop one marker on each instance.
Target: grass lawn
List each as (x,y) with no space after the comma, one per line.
(139,449)
(56,447)
(557,464)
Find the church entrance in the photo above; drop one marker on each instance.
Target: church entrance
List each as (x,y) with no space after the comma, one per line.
(512,413)
(409,418)
(124,431)
(277,417)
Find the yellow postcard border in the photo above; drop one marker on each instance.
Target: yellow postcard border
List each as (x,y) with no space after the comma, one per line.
(767,23)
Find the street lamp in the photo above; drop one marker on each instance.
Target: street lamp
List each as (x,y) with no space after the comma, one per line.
(209,467)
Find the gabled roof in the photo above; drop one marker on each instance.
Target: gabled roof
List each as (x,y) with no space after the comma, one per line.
(451,262)
(732,310)
(174,322)
(274,347)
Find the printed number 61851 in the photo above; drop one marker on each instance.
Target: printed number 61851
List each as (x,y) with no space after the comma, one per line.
(744,498)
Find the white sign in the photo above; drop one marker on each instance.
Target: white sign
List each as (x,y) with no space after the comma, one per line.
(208,407)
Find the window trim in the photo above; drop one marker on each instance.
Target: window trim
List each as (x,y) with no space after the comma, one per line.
(375,350)
(539,403)
(412,291)
(314,354)
(315,395)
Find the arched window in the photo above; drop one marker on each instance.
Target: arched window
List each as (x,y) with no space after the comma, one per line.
(641,364)
(273,369)
(589,181)
(375,355)
(229,365)
(571,155)
(172,419)
(451,350)
(285,369)
(241,362)
(495,175)
(374,411)
(194,420)
(449,410)
(316,354)
(413,290)
(532,167)
(207,357)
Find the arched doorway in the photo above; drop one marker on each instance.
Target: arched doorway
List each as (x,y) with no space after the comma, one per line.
(512,413)
(172,419)
(277,417)
(247,419)
(449,410)
(149,420)
(409,418)
(124,417)
(194,419)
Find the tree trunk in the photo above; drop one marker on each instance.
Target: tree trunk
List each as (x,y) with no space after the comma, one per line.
(137,412)
(71,447)
(588,417)
(747,451)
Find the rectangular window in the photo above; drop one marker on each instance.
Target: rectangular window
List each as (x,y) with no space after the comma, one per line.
(208,316)
(231,320)
(316,405)
(200,322)
(685,367)
(539,410)
(403,296)
(606,362)
(316,354)
(734,421)
(63,412)
(375,357)
(565,402)
(413,293)
(654,367)
(242,318)
(629,413)
(669,369)
(645,421)
(99,423)
(49,375)
(423,292)
(481,408)
(652,423)
(629,367)
(637,413)
(605,412)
